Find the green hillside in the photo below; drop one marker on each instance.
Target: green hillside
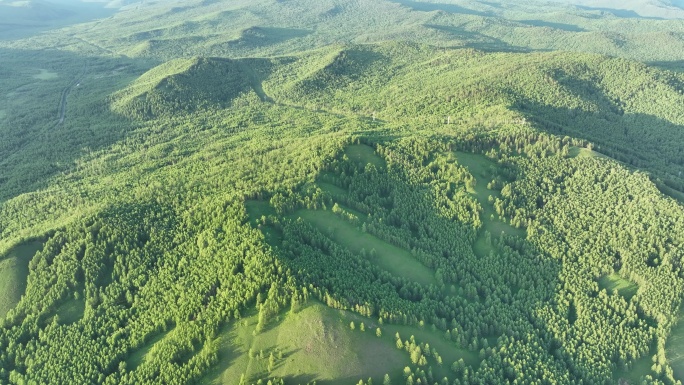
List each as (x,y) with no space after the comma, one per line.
(343,192)
(185,85)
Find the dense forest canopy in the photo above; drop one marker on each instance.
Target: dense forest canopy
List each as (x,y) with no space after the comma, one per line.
(341,192)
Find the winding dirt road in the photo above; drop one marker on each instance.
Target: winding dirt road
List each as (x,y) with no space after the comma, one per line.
(65,94)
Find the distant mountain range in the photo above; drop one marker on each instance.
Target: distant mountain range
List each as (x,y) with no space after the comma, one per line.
(666,9)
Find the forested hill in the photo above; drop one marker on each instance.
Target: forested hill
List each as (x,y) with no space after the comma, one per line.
(184,85)
(168,29)
(629,111)
(306,192)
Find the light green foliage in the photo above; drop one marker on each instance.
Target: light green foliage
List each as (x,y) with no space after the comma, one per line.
(255,183)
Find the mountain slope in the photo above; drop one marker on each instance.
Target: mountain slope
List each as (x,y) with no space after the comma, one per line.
(628,109)
(163,30)
(183,85)
(343,191)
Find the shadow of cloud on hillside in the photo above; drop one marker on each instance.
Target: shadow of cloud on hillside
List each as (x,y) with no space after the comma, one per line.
(432,7)
(256,41)
(675,65)
(621,13)
(270,35)
(477,40)
(549,24)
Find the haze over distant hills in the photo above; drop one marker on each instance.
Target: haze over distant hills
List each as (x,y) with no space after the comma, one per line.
(666,9)
(22,17)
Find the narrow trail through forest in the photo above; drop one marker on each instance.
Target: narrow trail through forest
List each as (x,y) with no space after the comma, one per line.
(65,93)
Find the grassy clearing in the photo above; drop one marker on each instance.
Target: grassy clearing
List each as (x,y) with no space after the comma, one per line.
(256,209)
(640,368)
(13,274)
(332,189)
(232,358)
(314,344)
(481,168)
(580,152)
(394,259)
(481,247)
(447,349)
(71,311)
(138,356)
(624,287)
(45,75)
(364,154)
(675,348)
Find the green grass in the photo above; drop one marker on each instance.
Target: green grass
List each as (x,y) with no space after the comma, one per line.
(624,287)
(479,167)
(13,274)
(45,75)
(394,259)
(71,311)
(364,154)
(332,189)
(230,355)
(579,152)
(448,350)
(138,356)
(256,209)
(675,348)
(316,343)
(640,368)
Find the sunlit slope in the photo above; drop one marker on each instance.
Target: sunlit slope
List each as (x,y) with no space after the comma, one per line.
(628,110)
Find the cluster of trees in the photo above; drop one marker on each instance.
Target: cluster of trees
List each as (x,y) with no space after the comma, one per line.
(522,293)
(419,352)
